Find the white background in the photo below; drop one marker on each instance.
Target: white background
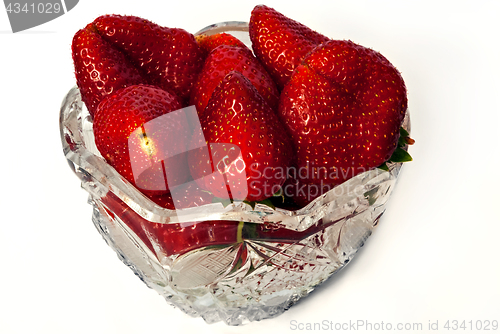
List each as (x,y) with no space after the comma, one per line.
(434,256)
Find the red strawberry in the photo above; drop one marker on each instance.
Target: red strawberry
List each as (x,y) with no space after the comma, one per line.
(179,238)
(100,69)
(279,42)
(138,134)
(173,238)
(183,196)
(249,148)
(170,57)
(303,192)
(219,63)
(209,42)
(343,107)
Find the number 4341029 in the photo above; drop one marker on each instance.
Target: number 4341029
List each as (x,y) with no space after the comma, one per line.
(41,8)
(478,325)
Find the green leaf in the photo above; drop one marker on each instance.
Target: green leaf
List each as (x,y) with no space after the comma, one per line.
(400,155)
(251,203)
(402,141)
(268,202)
(403,134)
(384,167)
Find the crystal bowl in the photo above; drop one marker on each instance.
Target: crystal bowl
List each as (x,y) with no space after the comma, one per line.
(249,262)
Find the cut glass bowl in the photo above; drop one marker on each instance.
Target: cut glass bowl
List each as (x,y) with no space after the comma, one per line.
(242,278)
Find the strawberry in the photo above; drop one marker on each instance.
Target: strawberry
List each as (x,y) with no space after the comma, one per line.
(183,196)
(172,238)
(219,63)
(209,42)
(279,42)
(343,107)
(249,149)
(99,68)
(169,57)
(303,192)
(137,133)
(180,238)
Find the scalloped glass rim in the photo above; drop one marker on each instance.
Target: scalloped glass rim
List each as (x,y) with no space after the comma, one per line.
(227,26)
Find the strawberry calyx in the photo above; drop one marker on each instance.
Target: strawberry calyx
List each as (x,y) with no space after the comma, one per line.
(400,154)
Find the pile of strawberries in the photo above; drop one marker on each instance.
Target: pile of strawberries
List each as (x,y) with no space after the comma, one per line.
(281,123)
